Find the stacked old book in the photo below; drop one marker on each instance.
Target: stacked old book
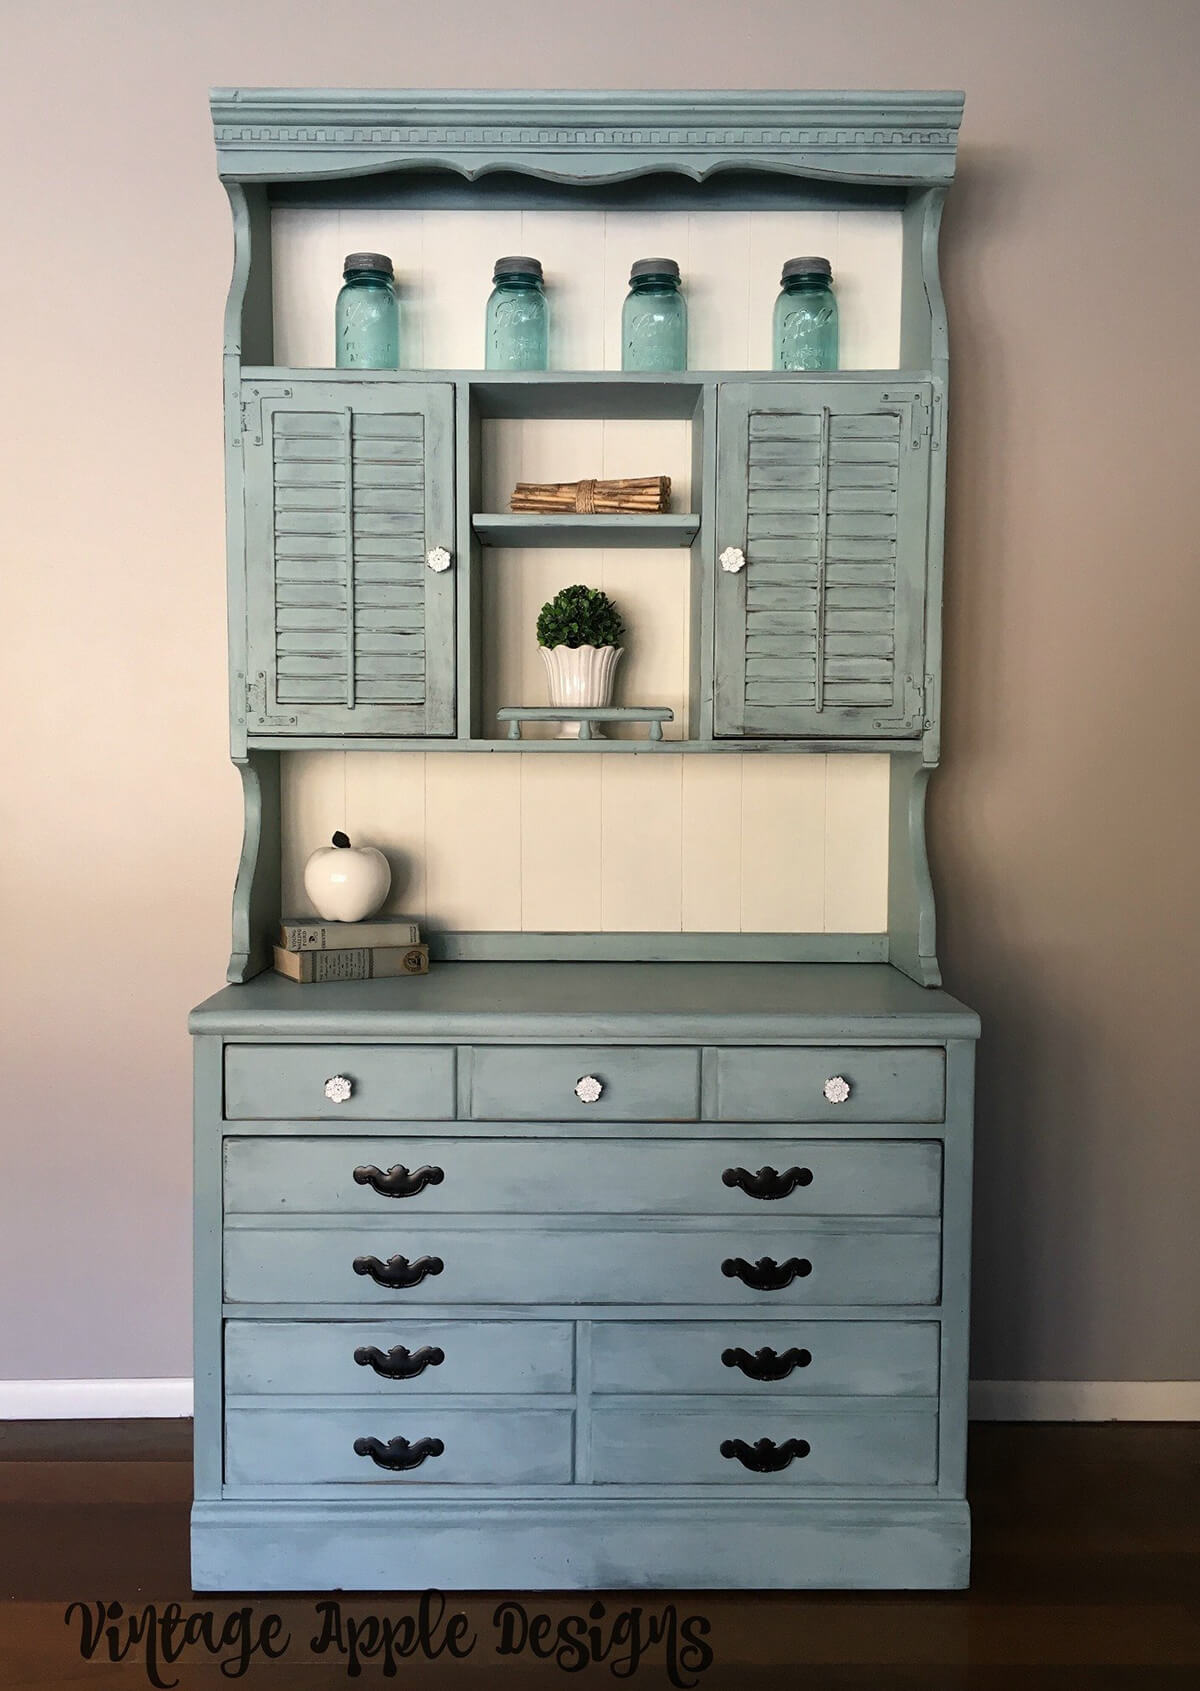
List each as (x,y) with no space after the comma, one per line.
(379,949)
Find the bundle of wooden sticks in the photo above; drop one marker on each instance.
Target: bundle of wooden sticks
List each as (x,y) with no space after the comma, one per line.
(592,498)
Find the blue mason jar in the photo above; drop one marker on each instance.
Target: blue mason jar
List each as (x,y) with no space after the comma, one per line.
(654,318)
(368,314)
(516,336)
(806,317)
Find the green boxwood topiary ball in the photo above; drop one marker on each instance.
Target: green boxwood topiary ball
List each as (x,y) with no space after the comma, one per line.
(579,616)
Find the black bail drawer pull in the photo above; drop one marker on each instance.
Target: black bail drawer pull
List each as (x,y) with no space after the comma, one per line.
(399,1363)
(398,1182)
(398,1271)
(766,1364)
(766,1275)
(764,1456)
(397,1454)
(768,1182)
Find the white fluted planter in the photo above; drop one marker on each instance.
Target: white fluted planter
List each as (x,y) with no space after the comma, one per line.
(583,676)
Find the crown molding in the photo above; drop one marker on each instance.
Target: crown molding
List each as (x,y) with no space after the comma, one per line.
(276,134)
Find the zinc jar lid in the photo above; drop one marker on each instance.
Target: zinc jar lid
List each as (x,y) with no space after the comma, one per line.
(367,261)
(794,267)
(516,266)
(653,267)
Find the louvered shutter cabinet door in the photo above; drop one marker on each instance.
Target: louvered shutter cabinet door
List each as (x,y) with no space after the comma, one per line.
(825,488)
(348,487)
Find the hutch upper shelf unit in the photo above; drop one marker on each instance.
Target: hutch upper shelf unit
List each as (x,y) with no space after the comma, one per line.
(823,495)
(825,487)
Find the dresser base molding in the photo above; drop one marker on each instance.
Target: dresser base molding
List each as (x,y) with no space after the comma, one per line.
(590,1545)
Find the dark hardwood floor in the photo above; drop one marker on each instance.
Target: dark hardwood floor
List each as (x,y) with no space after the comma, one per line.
(1086,1574)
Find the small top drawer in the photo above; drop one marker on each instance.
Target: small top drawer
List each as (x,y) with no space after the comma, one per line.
(831,1084)
(352,1082)
(585,1083)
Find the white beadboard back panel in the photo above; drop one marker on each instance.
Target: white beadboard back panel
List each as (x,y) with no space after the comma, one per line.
(553,844)
(730,261)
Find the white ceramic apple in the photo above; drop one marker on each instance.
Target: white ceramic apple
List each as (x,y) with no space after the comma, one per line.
(345,882)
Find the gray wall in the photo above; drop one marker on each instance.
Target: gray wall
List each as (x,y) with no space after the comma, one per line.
(1064,820)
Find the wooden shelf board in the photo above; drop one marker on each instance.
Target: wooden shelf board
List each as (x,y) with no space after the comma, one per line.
(500,743)
(502,528)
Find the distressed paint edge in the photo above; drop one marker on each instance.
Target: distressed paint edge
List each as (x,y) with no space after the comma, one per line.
(937,348)
(702,1543)
(208,1327)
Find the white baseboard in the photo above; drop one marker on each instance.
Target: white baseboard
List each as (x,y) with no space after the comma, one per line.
(991,1400)
(1085,1400)
(94,1400)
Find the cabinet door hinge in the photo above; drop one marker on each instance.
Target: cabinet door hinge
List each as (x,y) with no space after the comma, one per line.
(912,711)
(252,412)
(914,415)
(256,706)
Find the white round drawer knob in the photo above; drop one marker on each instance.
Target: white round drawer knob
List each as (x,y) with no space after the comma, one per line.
(588,1089)
(837,1090)
(338,1088)
(438,559)
(733,559)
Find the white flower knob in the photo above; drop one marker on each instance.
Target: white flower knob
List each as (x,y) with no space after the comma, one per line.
(338,1088)
(438,560)
(588,1089)
(837,1089)
(733,559)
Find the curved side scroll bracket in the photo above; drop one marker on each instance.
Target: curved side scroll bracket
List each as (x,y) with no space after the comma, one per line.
(248,334)
(912,921)
(256,892)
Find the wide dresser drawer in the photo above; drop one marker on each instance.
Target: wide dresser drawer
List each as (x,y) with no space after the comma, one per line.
(397,1359)
(757,1355)
(766,1178)
(389,1446)
(628,1083)
(872,1263)
(378,1082)
(831,1083)
(740,1443)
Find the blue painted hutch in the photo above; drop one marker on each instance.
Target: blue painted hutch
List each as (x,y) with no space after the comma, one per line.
(608,1258)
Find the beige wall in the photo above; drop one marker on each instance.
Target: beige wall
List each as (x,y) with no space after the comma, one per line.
(1064,820)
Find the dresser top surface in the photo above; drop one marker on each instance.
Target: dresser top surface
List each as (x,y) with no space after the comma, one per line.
(744,1002)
